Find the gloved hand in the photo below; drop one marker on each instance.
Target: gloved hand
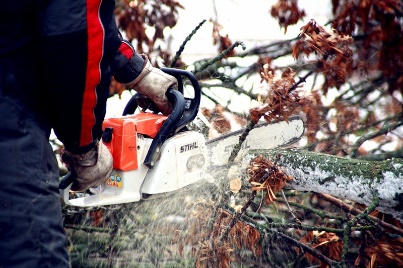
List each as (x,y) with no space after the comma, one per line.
(90,169)
(153,83)
(135,71)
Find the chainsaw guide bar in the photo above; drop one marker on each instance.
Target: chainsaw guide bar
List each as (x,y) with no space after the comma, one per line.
(263,136)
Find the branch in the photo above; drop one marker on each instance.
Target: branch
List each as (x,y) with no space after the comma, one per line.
(383,156)
(351,223)
(275,50)
(267,229)
(219,57)
(350,209)
(384,130)
(231,86)
(312,145)
(87,229)
(304,247)
(353,179)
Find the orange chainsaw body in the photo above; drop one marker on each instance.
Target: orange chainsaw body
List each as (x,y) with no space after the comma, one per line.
(123,145)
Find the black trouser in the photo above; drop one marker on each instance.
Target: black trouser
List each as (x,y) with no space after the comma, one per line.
(31,231)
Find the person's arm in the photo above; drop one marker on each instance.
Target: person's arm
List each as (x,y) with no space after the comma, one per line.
(135,71)
(79,41)
(81,48)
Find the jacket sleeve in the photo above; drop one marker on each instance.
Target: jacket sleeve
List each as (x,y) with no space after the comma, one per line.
(127,64)
(79,42)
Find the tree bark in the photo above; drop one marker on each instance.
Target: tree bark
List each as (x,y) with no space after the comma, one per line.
(356,180)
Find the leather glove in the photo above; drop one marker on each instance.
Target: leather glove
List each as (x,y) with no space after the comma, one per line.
(135,71)
(153,83)
(90,169)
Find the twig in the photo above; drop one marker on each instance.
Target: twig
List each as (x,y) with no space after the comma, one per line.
(318,212)
(300,81)
(350,209)
(242,138)
(343,133)
(363,138)
(182,47)
(383,156)
(236,218)
(88,229)
(289,208)
(352,222)
(265,229)
(230,85)
(218,57)
(277,48)
(305,248)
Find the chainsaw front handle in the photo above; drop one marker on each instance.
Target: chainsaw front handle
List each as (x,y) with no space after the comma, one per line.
(178,103)
(184,111)
(191,104)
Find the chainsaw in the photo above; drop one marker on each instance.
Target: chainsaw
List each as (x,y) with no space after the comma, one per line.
(153,153)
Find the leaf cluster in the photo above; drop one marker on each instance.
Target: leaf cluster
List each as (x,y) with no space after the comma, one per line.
(287,13)
(265,175)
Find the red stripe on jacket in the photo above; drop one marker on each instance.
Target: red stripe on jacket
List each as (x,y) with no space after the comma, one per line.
(96,37)
(126,50)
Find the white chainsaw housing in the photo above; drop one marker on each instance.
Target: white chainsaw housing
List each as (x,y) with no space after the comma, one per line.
(183,161)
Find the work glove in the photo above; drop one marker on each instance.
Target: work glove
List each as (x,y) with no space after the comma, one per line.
(153,83)
(90,169)
(136,72)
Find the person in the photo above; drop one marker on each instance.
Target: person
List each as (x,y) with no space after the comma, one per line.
(57,58)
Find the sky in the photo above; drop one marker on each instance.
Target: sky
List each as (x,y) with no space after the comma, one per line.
(247,21)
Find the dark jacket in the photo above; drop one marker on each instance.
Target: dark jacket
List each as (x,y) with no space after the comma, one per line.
(62,54)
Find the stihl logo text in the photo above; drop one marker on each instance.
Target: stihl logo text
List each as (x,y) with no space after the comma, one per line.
(188,147)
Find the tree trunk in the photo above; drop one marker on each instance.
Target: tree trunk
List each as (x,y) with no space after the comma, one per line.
(356,180)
